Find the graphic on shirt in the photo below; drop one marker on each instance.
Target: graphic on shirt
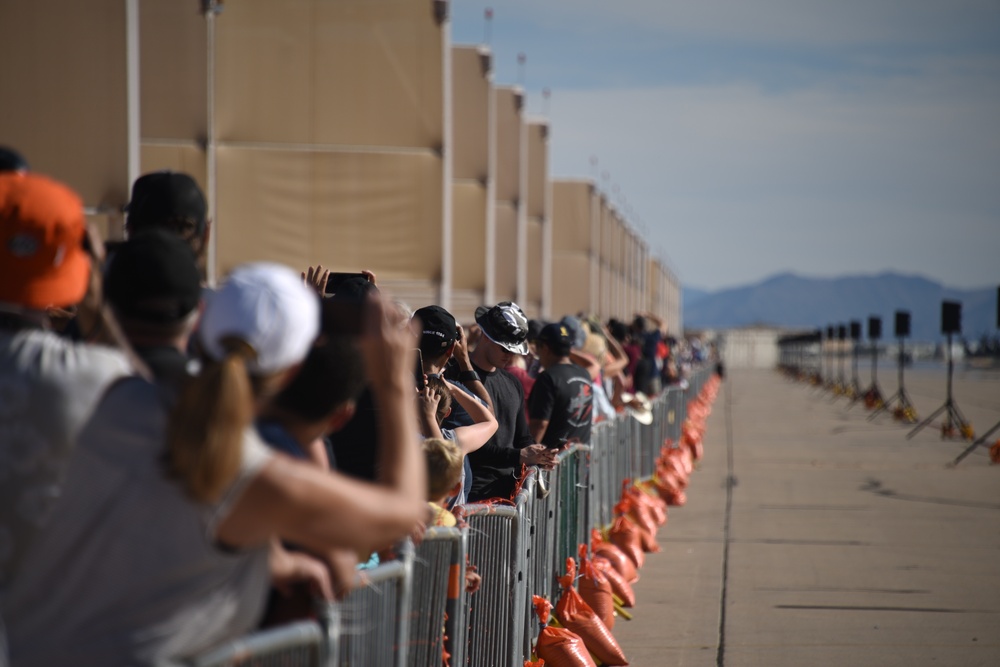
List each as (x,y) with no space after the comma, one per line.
(581,406)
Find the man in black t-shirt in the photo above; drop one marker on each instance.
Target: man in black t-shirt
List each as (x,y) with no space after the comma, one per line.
(496,464)
(561,402)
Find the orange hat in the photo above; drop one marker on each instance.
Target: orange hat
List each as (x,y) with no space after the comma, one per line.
(42,228)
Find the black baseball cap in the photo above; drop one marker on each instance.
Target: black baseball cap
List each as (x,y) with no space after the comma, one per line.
(162,197)
(506,325)
(11,160)
(558,337)
(534,327)
(153,278)
(438,329)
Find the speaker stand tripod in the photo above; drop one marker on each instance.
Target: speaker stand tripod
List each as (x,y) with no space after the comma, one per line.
(854,391)
(840,385)
(978,443)
(954,421)
(873,397)
(829,382)
(905,410)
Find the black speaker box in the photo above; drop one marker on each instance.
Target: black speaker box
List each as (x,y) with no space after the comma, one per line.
(874,328)
(855,330)
(842,332)
(830,333)
(951,317)
(902,324)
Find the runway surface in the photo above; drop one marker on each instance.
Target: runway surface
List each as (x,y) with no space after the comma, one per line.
(815,537)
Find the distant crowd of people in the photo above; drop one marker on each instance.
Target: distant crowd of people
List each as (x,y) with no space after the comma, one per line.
(178,463)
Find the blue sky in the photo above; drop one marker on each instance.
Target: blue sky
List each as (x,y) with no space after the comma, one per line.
(749,137)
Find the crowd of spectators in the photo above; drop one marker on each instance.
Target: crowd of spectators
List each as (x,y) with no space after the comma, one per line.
(175,460)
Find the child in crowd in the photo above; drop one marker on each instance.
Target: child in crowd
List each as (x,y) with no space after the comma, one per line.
(436,403)
(444,471)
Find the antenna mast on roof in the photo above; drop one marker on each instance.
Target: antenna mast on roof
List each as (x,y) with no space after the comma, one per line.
(546,94)
(488,16)
(521,60)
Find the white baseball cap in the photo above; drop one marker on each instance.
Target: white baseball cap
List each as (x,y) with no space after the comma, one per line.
(269,307)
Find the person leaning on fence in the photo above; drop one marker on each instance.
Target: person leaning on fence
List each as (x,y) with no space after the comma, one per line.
(497,463)
(526,368)
(154,290)
(295,423)
(51,385)
(354,447)
(444,469)
(444,345)
(160,547)
(561,402)
(170,201)
(468,438)
(319,400)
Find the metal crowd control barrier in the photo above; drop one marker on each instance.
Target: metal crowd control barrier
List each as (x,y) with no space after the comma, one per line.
(572,521)
(625,449)
(435,603)
(300,644)
(396,617)
(496,612)
(374,618)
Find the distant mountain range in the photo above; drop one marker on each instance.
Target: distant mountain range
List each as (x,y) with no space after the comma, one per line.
(790,300)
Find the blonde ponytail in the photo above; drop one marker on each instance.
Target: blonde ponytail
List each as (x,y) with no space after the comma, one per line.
(205,432)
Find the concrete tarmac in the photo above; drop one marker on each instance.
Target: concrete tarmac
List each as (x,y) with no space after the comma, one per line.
(815,537)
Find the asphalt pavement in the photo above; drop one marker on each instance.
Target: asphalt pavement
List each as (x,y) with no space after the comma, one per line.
(813,536)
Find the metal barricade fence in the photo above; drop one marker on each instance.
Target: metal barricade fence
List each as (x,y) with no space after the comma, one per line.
(496,612)
(572,489)
(525,503)
(676,413)
(541,512)
(519,550)
(300,644)
(438,582)
(374,618)
(604,469)
(456,626)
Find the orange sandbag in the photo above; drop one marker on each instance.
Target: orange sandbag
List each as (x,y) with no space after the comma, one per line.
(659,509)
(684,456)
(576,615)
(615,556)
(624,534)
(534,663)
(558,647)
(667,482)
(648,494)
(619,586)
(679,462)
(595,589)
(676,499)
(640,509)
(642,519)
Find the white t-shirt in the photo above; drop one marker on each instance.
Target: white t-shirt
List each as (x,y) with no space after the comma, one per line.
(127,571)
